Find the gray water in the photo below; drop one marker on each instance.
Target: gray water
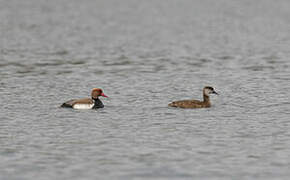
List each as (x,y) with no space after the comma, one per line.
(145,54)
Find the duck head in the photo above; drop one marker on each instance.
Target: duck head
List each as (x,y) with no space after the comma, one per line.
(96,92)
(209,90)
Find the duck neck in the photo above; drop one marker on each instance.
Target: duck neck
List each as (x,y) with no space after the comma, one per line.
(206,98)
(98,103)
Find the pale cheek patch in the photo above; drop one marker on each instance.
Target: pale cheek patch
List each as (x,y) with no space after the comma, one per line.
(206,91)
(83,106)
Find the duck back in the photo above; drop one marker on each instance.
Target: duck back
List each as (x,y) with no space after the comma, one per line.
(189,104)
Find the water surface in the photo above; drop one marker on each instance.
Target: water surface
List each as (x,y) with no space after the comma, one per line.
(144,54)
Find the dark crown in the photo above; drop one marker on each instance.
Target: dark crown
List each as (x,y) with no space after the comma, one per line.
(208,87)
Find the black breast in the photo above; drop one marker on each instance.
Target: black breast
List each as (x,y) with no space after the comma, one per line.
(98,103)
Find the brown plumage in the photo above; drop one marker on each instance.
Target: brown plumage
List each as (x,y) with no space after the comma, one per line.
(195,103)
(79,101)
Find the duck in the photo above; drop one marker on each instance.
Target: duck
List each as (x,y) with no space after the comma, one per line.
(207,90)
(87,103)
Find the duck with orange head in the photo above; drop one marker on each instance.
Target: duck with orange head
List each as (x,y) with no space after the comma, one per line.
(87,103)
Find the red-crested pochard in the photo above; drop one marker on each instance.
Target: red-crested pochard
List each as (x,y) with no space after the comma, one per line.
(87,103)
(195,103)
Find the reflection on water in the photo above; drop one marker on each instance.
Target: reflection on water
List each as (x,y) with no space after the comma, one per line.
(144,54)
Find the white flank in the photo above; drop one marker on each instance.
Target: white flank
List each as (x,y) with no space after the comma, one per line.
(83,106)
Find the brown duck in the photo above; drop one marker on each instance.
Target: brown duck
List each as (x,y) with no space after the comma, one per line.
(195,103)
(87,103)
